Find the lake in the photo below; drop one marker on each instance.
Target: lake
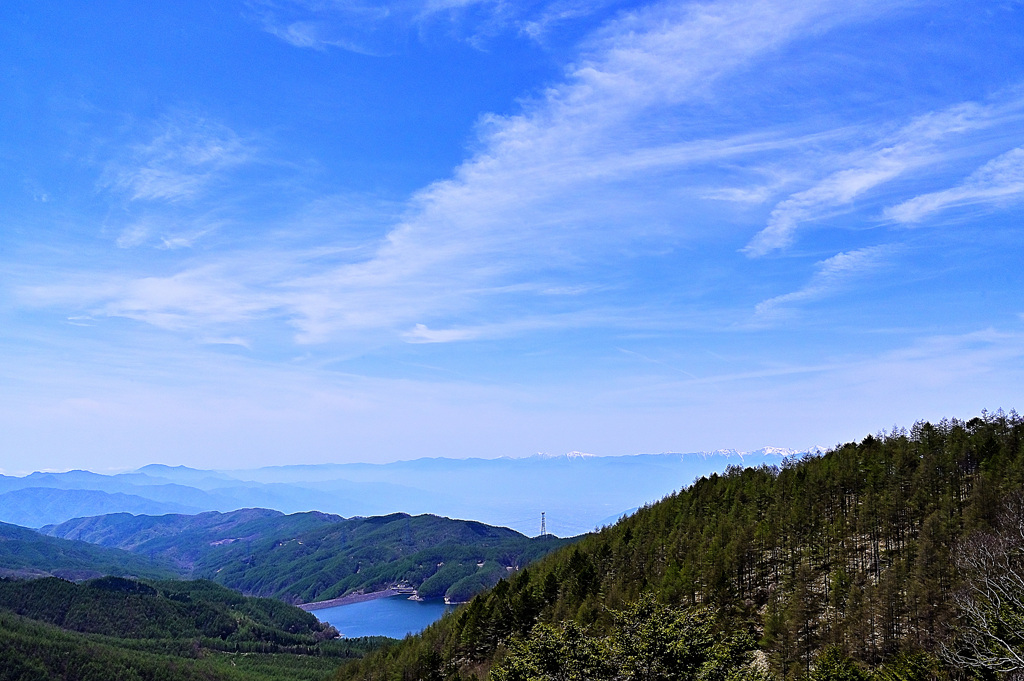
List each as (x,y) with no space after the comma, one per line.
(395,616)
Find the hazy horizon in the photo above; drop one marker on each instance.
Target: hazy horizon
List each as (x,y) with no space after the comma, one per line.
(310,464)
(578,493)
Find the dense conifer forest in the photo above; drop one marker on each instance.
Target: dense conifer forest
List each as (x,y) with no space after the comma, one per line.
(853,564)
(115,628)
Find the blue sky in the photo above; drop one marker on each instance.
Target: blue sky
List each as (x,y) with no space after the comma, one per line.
(283,231)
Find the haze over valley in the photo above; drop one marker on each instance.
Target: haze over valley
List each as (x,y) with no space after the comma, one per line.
(577,492)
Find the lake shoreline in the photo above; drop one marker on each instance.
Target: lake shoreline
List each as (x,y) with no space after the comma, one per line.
(349,599)
(376,614)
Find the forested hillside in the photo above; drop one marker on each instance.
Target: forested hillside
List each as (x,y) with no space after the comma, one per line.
(186,539)
(845,562)
(305,557)
(114,628)
(26,553)
(437,556)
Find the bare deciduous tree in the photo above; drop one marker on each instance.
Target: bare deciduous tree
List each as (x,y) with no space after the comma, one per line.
(990,632)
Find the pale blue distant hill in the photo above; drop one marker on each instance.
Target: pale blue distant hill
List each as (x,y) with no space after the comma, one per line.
(38,506)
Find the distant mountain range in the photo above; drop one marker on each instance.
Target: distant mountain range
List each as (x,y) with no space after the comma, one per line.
(35,506)
(578,492)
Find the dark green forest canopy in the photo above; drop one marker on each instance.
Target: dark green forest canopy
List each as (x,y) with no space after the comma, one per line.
(125,608)
(114,628)
(840,559)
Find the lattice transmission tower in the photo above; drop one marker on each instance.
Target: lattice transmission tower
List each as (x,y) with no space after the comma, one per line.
(543,525)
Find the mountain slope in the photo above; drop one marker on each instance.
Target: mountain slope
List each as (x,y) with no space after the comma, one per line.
(437,556)
(26,553)
(305,557)
(845,555)
(184,539)
(124,608)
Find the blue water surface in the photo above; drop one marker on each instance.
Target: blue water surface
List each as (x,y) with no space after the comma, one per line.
(395,616)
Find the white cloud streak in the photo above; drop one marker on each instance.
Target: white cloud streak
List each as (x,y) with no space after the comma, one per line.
(998,182)
(830,276)
(203,297)
(925,141)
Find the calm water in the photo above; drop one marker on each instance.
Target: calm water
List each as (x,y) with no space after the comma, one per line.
(395,616)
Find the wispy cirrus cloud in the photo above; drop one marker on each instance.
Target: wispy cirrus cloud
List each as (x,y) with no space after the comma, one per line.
(378,28)
(830,276)
(553,14)
(587,172)
(375,28)
(165,232)
(176,182)
(421,333)
(998,182)
(563,184)
(201,298)
(185,158)
(564,181)
(926,140)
